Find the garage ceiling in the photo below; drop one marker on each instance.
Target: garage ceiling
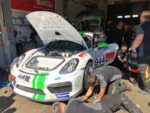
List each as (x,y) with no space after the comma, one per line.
(124,1)
(95,2)
(86,2)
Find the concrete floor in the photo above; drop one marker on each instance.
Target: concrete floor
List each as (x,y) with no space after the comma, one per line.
(10,103)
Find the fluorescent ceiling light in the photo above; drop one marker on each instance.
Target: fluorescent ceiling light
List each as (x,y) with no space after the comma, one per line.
(127,16)
(135,16)
(119,17)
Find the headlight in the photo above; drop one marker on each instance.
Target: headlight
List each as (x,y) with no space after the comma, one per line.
(70,66)
(20,60)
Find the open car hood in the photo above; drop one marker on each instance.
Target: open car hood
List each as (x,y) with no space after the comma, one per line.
(51,27)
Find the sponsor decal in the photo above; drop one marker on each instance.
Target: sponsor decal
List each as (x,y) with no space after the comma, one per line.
(62,95)
(24,77)
(13,84)
(52,96)
(78,82)
(110,56)
(45,3)
(82,54)
(57,78)
(98,53)
(33,5)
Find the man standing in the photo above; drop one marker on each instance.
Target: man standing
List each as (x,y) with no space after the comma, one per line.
(99,36)
(142,41)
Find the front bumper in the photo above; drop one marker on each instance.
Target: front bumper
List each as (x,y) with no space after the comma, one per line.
(57,90)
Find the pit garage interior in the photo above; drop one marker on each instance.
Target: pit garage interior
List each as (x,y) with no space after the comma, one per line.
(12,16)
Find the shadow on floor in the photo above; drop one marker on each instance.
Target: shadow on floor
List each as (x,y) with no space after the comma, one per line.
(6,102)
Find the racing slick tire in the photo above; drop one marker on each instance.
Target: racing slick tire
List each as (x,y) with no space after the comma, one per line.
(86,73)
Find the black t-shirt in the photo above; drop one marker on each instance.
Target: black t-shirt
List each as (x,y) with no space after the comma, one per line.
(107,74)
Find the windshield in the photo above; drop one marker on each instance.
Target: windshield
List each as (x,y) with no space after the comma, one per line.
(64,46)
(88,25)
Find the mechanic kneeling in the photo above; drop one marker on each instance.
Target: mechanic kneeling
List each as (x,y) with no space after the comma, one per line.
(109,104)
(109,78)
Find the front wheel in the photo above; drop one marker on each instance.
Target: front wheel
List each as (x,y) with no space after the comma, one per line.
(86,74)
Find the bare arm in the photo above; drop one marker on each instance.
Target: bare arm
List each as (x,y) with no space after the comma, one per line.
(88,93)
(101,93)
(120,59)
(138,40)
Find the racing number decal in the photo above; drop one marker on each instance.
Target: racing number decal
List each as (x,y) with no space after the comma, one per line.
(99,58)
(100,61)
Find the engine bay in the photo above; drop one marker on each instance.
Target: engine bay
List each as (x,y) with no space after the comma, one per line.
(59,54)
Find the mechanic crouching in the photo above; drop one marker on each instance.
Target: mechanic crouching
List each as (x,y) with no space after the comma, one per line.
(109,104)
(92,102)
(109,80)
(89,103)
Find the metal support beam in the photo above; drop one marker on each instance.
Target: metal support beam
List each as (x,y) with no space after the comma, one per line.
(7,37)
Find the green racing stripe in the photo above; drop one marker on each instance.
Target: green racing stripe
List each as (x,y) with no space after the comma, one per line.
(41,81)
(38,83)
(38,97)
(33,81)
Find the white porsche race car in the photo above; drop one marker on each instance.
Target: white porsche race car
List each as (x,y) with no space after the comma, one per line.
(58,71)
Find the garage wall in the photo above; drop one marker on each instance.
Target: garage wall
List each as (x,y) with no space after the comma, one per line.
(72,8)
(59,6)
(102,5)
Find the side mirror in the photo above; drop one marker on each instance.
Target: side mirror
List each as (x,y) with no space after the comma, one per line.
(102,44)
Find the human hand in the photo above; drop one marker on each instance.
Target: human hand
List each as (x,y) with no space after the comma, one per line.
(131,54)
(88,93)
(96,101)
